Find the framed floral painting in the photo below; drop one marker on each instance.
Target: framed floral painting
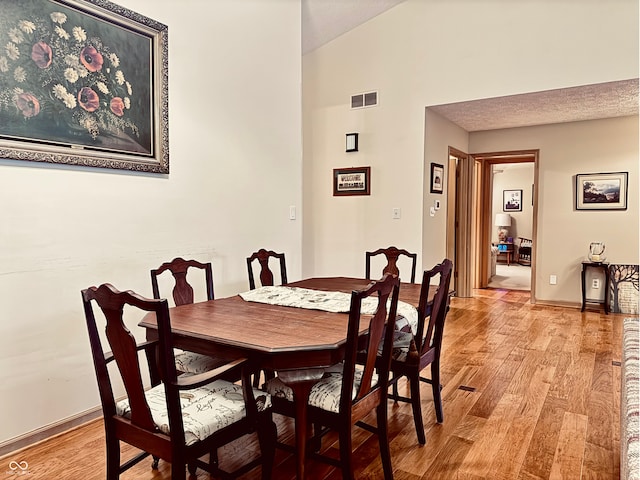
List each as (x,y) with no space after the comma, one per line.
(83,82)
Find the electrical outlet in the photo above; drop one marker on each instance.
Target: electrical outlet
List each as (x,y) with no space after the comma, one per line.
(553,280)
(595,283)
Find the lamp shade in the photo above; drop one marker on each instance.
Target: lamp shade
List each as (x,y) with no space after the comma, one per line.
(503,220)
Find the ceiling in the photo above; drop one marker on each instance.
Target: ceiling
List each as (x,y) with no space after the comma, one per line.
(325,20)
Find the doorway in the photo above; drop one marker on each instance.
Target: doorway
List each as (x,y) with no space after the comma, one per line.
(492,163)
(469,232)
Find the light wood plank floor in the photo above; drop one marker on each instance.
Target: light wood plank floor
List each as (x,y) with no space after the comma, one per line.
(540,401)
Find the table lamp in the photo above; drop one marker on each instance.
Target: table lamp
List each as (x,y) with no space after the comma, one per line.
(503,220)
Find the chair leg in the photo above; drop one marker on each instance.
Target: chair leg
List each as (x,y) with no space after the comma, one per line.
(178,470)
(155,463)
(437,390)
(383,440)
(113,459)
(267,437)
(345,452)
(414,382)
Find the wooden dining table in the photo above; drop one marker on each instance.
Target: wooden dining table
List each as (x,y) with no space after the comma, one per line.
(298,343)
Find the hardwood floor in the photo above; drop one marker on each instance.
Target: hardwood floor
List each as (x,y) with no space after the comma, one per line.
(540,399)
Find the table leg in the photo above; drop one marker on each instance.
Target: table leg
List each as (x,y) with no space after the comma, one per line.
(301,382)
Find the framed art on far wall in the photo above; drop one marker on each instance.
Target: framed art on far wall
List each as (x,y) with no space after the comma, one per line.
(437,178)
(351,181)
(83,82)
(512,200)
(601,191)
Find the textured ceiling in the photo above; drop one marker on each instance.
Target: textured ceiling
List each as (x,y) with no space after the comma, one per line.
(588,102)
(325,20)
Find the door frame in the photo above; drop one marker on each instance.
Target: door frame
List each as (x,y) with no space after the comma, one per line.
(487,160)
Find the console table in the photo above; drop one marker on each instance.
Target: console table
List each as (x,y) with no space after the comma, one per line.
(604,266)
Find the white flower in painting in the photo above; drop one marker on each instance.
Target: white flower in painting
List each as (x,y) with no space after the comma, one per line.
(69,101)
(82,72)
(58,17)
(102,87)
(17,91)
(79,34)
(62,33)
(16,35)
(129,89)
(20,74)
(4,65)
(71,75)
(127,103)
(59,91)
(26,26)
(120,77)
(12,51)
(115,61)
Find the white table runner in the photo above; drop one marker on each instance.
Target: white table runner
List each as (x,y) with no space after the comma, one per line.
(336,302)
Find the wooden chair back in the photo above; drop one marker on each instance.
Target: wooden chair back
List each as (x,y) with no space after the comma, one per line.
(381,327)
(125,353)
(431,326)
(182,290)
(266,276)
(392,255)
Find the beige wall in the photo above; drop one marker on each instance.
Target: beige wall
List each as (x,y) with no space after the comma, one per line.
(423,53)
(235,123)
(564,234)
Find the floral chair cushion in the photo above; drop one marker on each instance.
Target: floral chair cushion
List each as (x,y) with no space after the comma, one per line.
(205,410)
(325,394)
(191,362)
(404,347)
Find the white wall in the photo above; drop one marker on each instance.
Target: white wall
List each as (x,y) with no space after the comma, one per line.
(235,123)
(564,234)
(422,53)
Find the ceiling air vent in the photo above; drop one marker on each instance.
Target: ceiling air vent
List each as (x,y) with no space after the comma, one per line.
(362,100)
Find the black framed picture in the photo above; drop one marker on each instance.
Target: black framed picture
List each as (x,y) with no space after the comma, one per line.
(601,191)
(437,178)
(512,200)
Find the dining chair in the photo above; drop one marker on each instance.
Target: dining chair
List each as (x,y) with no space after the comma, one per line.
(349,391)
(267,279)
(412,354)
(392,255)
(180,418)
(266,276)
(183,293)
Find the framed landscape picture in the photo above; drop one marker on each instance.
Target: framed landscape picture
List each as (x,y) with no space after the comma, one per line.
(512,200)
(601,191)
(83,82)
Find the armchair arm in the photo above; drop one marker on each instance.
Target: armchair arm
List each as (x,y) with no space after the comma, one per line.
(192,381)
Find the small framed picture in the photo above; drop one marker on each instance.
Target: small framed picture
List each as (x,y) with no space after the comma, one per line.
(437,178)
(601,191)
(512,200)
(351,181)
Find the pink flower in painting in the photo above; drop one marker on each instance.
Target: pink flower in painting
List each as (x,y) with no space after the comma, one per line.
(91,59)
(117,106)
(42,55)
(28,105)
(88,99)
